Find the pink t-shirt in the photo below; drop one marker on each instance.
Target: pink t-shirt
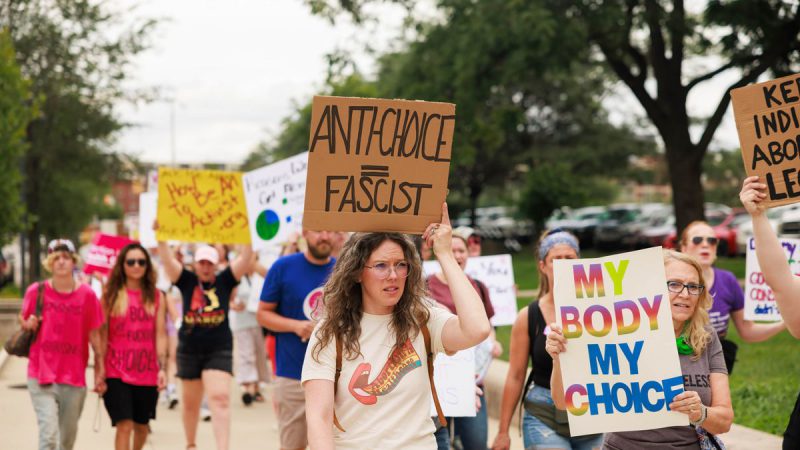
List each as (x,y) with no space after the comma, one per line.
(131,352)
(61,349)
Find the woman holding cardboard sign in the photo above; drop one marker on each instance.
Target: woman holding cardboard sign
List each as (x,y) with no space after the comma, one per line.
(377,330)
(698,240)
(785,286)
(706,398)
(543,426)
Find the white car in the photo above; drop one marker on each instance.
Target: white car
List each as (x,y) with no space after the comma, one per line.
(784,219)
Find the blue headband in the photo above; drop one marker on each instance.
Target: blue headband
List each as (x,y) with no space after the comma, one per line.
(554,238)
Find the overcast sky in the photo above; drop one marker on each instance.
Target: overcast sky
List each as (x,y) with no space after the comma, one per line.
(235,67)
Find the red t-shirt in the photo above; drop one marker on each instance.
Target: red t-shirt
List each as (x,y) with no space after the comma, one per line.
(441,293)
(131,354)
(61,349)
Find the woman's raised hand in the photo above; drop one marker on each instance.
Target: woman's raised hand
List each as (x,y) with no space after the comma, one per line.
(752,195)
(556,342)
(439,235)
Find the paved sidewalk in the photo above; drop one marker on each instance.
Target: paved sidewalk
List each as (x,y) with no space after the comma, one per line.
(251,428)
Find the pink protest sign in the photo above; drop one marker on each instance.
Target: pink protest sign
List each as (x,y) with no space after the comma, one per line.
(103,253)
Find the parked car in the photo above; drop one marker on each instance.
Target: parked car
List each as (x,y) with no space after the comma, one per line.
(559,217)
(656,228)
(720,218)
(617,222)
(789,225)
(496,222)
(583,224)
(775,216)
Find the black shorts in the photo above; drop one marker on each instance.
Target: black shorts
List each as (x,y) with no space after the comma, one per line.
(192,363)
(130,402)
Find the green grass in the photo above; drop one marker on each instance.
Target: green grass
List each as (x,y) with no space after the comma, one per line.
(10,291)
(765,382)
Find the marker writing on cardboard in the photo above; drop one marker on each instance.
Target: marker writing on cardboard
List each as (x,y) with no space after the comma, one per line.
(375,191)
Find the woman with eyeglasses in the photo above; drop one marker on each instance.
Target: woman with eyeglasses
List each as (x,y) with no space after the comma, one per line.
(543,427)
(706,398)
(377,315)
(699,241)
(135,338)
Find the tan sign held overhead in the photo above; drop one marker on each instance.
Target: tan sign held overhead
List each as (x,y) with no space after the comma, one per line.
(768,120)
(377,165)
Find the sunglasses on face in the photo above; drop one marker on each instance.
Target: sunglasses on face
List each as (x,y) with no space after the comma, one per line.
(133,261)
(712,240)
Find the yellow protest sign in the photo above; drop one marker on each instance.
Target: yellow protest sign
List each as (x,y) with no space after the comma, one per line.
(201,206)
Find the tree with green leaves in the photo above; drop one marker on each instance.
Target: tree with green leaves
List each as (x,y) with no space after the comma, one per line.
(16,109)
(662,52)
(77,56)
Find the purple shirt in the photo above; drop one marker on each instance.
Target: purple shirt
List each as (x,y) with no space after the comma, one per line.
(728,296)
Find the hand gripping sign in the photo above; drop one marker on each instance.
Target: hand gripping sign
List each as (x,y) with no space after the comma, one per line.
(621,367)
(377,165)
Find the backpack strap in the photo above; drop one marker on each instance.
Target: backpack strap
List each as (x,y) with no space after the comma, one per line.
(39,298)
(336,381)
(426,334)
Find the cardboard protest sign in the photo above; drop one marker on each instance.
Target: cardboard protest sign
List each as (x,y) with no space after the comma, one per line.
(454,377)
(275,196)
(621,367)
(201,206)
(497,273)
(103,253)
(377,165)
(148,209)
(759,302)
(768,120)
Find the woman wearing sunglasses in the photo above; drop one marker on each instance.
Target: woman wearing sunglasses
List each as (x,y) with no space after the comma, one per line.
(377,314)
(135,338)
(699,241)
(706,398)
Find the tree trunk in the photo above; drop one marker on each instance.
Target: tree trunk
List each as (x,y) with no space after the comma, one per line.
(685,170)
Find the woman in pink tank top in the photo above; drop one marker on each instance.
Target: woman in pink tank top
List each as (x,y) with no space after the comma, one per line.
(136,345)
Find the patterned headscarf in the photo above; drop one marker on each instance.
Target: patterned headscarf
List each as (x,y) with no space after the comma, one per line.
(555,237)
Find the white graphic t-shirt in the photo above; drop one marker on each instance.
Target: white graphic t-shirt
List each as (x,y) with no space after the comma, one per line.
(384,396)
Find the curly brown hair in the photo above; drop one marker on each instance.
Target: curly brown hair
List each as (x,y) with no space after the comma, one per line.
(115,301)
(343,295)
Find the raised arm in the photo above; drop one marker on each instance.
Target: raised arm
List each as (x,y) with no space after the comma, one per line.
(771,257)
(556,344)
(241,265)
(161,340)
(470,326)
(172,267)
(515,378)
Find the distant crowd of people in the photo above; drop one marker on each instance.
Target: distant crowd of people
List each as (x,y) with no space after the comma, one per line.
(345,328)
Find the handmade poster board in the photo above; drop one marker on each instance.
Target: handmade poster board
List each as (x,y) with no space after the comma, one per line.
(454,377)
(621,367)
(201,206)
(377,165)
(275,197)
(759,302)
(497,273)
(103,253)
(768,121)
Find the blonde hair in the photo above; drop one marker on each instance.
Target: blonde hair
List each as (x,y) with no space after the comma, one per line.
(695,329)
(51,258)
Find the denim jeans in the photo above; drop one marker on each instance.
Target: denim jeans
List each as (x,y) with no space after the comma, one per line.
(442,435)
(58,408)
(473,432)
(536,434)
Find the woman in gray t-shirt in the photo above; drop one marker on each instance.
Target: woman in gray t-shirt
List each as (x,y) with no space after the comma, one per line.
(706,398)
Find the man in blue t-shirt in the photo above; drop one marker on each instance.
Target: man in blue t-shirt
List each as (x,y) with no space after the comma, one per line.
(290,303)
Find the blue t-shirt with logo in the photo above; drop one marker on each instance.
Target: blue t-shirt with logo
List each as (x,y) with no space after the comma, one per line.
(296,286)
